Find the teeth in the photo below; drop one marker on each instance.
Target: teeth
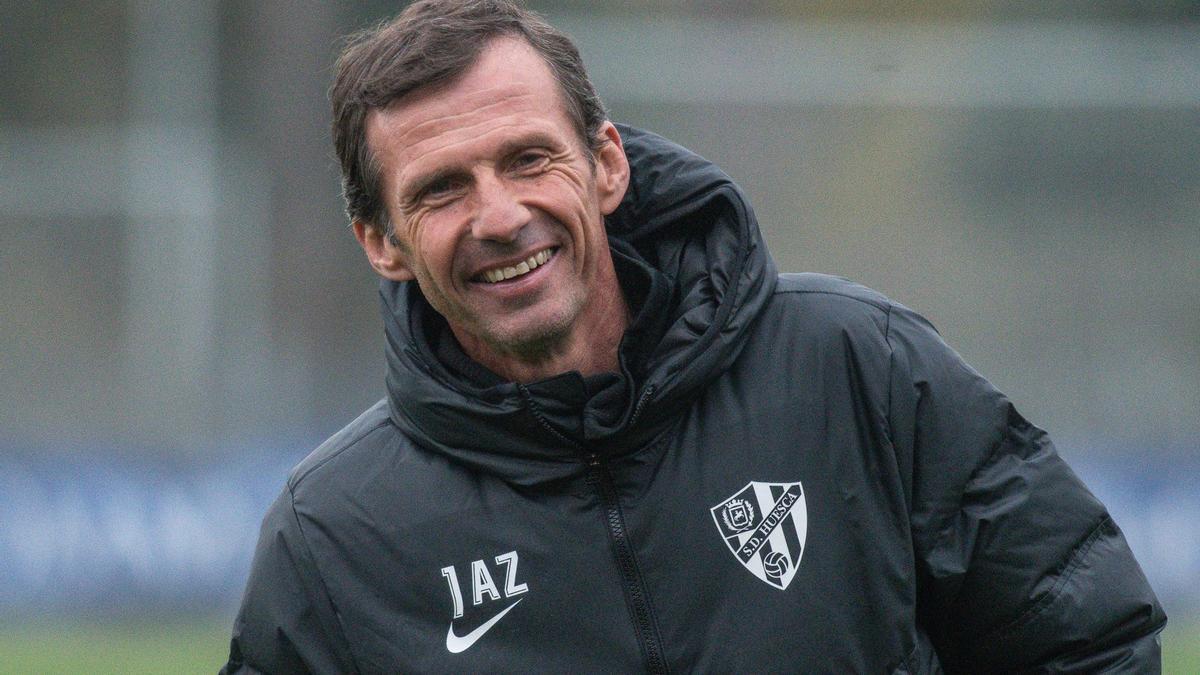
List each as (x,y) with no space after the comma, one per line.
(524,267)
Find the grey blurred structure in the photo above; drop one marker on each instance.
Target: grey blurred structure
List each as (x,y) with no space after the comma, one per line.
(178,284)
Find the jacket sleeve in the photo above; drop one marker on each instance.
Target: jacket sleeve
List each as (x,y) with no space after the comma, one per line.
(1019,567)
(286,623)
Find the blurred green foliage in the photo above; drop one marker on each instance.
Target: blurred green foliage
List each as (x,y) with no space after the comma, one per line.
(1181,648)
(178,646)
(154,645)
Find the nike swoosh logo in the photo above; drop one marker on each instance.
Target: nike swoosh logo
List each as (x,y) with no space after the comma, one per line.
(456,644)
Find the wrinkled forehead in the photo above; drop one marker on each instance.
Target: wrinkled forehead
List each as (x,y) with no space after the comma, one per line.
(509,78)
(400,135)
(507,97)
(407,122)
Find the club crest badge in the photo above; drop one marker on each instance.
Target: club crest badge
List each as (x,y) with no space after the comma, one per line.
(764,525)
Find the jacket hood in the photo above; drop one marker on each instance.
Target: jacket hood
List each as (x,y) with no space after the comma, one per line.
(683,217)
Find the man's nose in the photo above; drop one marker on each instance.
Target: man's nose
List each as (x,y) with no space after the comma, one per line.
(499,213)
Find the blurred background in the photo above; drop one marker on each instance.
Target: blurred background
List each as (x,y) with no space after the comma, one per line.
(184,313)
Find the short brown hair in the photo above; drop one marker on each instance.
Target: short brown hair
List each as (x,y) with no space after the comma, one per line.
(430,43)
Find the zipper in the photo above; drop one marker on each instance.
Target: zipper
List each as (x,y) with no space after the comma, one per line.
(637,409)
(636,599)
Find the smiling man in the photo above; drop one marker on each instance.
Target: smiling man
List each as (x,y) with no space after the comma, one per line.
(616,440)
(496,206)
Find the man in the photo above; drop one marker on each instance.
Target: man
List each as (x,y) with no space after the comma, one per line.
(615,440)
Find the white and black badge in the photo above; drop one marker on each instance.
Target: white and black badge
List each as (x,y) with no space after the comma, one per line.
(764,525)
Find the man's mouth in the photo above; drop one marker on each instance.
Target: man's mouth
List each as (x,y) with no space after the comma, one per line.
(522,268)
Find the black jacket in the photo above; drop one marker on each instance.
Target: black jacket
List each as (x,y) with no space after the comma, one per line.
(790,473)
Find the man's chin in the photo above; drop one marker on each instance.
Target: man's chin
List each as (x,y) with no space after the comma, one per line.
(530,346)
(531,343)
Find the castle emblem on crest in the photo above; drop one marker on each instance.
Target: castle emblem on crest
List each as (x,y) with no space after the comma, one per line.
(764,526)
(738,515)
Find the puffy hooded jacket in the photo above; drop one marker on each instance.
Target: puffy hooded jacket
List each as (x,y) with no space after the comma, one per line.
(789,473)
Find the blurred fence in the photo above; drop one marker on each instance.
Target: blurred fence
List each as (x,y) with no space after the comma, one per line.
(136,537)
(124,538)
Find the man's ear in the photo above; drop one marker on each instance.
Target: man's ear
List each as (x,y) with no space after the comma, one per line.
(385,257)
(612,169)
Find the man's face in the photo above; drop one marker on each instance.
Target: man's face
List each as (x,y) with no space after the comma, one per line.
(496,208)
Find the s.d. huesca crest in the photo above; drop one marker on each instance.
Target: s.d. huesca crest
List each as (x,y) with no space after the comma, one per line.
(764,525)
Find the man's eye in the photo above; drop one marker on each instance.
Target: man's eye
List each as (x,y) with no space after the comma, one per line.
(442,187)
(529,160)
